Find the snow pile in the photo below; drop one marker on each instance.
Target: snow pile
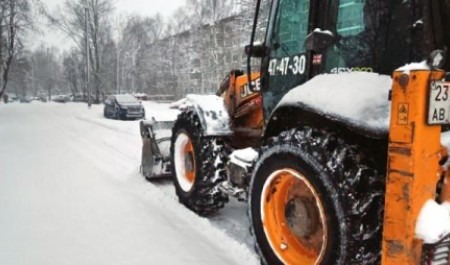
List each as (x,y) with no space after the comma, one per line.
(433,223)
(446,205)
(244,157)
(360,98)
(445,139)
(414,67)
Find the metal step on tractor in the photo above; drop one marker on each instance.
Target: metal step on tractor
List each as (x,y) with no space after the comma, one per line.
(334,143)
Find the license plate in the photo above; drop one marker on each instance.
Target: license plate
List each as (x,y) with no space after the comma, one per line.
(439,103)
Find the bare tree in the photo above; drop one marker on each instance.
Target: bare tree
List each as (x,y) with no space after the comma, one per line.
(205,16)
(138,62)
(72,71)
(118,26)
(19,79)
(178,23)
(15,19)
(72,21)
(46,71)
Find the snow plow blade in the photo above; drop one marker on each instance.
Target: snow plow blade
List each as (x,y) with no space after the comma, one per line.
(155,161)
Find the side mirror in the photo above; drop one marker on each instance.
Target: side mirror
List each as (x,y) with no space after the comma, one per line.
(319,40)
(257,50)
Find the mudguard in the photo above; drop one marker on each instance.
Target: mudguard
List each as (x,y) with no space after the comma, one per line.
(211,111)
(356,101)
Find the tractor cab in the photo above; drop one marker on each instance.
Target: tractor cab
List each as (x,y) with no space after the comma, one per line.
(307,38)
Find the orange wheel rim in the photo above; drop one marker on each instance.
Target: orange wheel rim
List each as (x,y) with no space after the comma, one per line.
(189,161)
(293,218)
(184,162)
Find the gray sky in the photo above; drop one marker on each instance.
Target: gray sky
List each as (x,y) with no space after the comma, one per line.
(142,7)
(148,7)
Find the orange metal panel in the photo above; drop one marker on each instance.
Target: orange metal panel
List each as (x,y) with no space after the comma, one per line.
(248,101)
(413,166)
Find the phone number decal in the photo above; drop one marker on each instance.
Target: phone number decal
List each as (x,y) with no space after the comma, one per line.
(288,65)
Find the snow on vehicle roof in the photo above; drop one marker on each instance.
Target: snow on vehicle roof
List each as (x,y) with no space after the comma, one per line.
(126,99)
(360,98)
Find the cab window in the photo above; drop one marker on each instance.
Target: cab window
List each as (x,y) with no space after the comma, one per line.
(291,28)
(287,62)
(374,36)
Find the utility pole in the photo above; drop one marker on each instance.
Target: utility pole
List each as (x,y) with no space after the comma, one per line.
(86,16)
(117,67)
(32,77)
(49,78)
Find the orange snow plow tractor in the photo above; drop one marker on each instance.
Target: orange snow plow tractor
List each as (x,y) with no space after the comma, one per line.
(335,144)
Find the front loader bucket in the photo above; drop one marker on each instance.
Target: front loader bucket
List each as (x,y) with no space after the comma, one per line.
(155,161)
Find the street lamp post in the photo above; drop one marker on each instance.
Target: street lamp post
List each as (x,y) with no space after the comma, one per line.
(86,16)
(33,86)
(117,68)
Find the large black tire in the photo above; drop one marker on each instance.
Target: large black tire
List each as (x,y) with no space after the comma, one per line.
(348,187)
(200,193)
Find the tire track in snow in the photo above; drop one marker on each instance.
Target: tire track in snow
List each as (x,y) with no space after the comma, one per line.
(98,123)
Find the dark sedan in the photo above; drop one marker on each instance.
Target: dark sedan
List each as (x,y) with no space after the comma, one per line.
(123,107)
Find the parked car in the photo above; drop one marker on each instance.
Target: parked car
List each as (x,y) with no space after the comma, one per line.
(123,107)
(60,98)
(141,96)
(24,100)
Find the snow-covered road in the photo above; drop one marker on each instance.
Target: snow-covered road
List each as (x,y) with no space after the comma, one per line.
(71,193)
